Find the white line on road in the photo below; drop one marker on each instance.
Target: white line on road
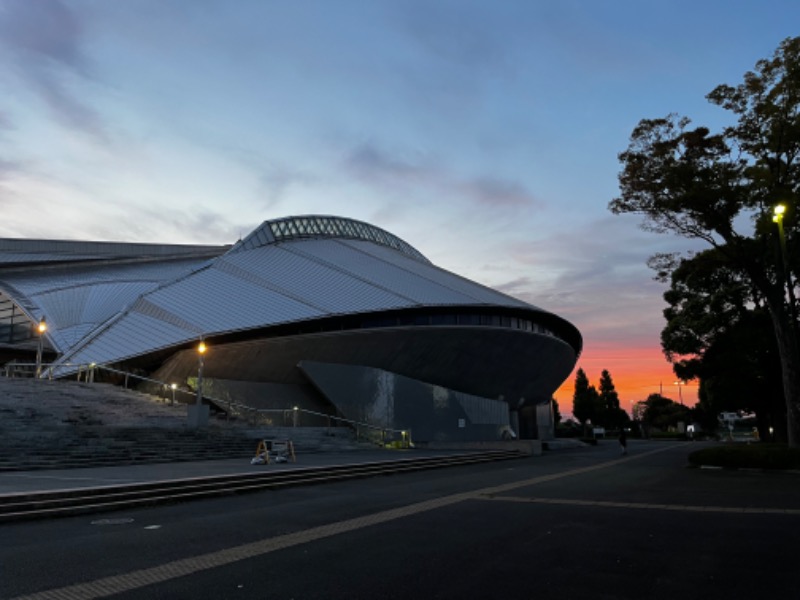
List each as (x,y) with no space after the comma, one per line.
(117,584)
(644,505)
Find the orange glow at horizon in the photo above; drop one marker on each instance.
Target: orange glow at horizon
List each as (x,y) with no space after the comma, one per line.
(636,373)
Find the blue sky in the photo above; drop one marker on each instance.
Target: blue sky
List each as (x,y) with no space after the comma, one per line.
(484,133)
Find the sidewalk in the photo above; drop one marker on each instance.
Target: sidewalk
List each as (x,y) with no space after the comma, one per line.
(12,482)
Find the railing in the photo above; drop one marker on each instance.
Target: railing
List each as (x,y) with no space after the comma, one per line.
(363,430)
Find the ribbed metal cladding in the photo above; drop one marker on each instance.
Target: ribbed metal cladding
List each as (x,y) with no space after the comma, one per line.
(477,293)
(105,300)
(334,290)
(135,335)
(61,250)
(314,267)
(79,299)
(219,302)
(383,273)
(14,258)
(57,278)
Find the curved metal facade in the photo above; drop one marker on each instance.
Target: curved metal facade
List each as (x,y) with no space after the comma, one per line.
(311,288)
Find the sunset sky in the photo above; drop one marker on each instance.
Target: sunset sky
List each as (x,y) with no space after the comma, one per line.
(484,133)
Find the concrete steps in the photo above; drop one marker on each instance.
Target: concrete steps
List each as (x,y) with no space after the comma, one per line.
(60,425)
(140,446)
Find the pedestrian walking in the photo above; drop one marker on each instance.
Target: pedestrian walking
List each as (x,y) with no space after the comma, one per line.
(623,441)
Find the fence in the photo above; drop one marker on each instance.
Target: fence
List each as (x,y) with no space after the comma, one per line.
(363,430)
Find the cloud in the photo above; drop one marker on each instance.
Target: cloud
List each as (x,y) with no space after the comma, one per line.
(9,168)
(179,226)
(456,34)
(276,182)
(5,122)
(515,286)
(371,163)
(595,275)
(391,171)
(43,39)
(497,192)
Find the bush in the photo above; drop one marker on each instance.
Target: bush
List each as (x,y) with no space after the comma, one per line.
(747,456)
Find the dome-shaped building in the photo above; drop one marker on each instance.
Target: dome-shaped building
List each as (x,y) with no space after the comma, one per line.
(330,315)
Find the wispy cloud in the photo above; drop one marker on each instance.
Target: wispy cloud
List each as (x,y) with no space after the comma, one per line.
(387,170)
(596,276)
(5,122)
(521,285)
(278,181)
(180,226)
(457,35)
(9,168)
(371,163)
(42,40)
(497,192)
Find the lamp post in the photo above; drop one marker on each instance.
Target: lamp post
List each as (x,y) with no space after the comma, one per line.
(42,329)
(680,385)
(173,386)
(777,218)
(201,350)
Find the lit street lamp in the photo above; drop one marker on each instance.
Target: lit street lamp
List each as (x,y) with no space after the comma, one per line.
(777,218)
(680,385)
(173,386)
(201,350)
(42,329)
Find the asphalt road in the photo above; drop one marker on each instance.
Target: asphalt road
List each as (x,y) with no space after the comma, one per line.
(573,524)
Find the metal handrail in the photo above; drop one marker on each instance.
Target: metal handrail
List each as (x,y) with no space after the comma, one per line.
(89,368)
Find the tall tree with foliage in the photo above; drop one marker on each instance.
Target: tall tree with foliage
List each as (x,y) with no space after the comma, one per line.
(609,400)
(556,413)
(705,186)
(662,413)
(585,399)
(718,331)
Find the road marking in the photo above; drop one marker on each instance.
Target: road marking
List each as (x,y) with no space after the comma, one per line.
(643,505)
(117,584)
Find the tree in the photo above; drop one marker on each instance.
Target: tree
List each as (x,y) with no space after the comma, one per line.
(704,186)
(609,401)
(556,413)
(662,413)
(585,399)
(718,331)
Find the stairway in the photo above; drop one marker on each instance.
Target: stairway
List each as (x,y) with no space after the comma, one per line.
(60,425)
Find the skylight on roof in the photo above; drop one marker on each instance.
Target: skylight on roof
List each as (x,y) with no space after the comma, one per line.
(315,226)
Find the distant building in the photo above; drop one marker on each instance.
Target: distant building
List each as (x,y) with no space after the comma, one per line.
(328,314)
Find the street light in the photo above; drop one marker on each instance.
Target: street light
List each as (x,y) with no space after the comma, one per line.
(680,385)
(201,350)
(777,218)
(42,329)
(173,386)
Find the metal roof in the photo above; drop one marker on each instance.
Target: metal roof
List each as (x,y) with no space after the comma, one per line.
(288,270)
(323,226)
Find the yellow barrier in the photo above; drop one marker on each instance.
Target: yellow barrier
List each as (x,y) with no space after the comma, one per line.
(277,449)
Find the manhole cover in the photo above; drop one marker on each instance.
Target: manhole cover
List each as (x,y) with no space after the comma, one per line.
(112,521)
